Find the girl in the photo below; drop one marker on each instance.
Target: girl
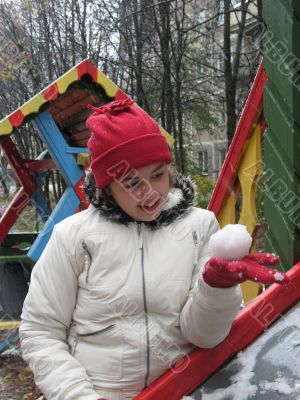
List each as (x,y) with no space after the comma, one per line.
(120,293)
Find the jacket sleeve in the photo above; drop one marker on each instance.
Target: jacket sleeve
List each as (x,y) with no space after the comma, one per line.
(208,313)
(46,317)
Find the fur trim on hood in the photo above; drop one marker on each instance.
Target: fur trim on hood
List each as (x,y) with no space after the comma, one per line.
(180,199)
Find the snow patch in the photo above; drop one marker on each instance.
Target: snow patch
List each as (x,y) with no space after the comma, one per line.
(12,351)
(287,355)
(280,385)
(278,277)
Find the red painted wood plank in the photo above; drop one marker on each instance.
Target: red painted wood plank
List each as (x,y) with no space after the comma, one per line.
(51,92)
(71,97)
(17,164)
(76,107)
(40,165)
(91,70)
(24,194)
(16,118)
(249,324)
(80,193)
(13,211)
(121,95)
(250,115)
(81,69)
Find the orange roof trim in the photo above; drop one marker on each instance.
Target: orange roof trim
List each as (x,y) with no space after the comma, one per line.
(59,87)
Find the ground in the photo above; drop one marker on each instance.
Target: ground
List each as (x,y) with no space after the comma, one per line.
(16,380)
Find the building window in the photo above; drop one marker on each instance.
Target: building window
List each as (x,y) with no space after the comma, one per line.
(200,71)
(203,162)
(221,12)
(220,61)
(222,156)
(235,3)
(201,16)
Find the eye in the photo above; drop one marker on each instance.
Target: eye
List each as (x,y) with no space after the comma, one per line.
(131,185)
(158,175)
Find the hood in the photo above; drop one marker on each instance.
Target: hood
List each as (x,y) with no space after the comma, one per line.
(181,198)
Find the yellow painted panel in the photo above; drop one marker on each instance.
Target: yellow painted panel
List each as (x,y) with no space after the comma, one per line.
(169,138)
(110,88)
(5,127)
(7,325)
(83,159)
(250,290)
(227,213)
(68,78)
(249,169)
(32,105)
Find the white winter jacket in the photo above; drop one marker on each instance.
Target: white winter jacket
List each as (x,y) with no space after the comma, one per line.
(112,306)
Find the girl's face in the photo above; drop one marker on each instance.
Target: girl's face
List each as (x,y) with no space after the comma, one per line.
(142,193)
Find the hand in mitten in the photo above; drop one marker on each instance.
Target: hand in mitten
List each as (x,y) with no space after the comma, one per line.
(230,264)
(224,273)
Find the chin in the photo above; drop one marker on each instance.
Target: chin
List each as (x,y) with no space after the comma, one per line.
(149,217)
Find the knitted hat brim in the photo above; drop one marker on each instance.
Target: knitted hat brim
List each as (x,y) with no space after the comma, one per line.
(118,161)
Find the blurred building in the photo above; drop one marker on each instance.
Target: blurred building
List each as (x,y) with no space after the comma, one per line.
(209,140)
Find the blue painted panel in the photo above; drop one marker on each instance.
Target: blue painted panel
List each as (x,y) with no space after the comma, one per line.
(56,144)
(75,150)
(65,207)
(38,199)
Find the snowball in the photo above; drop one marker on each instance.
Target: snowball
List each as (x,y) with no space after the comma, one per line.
(233,242)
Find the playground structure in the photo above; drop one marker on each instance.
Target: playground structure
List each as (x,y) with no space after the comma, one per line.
(58,115)
(269,116)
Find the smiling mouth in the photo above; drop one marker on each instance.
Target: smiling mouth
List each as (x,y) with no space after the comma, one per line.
(152,208)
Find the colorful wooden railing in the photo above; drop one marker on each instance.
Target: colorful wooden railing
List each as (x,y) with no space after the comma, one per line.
(241,169)
(251,322)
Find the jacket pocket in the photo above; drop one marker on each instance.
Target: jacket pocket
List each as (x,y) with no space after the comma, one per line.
(101,259)
(100,351)
(79,336)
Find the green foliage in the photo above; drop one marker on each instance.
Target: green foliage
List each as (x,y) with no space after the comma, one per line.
(205,187)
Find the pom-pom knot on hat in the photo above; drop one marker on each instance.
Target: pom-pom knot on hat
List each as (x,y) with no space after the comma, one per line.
(123,137)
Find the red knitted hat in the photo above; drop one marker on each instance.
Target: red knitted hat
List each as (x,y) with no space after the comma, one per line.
(123,137)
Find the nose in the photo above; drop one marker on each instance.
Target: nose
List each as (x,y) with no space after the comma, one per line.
(144,190)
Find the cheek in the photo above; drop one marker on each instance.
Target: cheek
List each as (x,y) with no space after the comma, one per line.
(164,187)
(122,198)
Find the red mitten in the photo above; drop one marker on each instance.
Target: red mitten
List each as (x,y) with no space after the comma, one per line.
(222,273)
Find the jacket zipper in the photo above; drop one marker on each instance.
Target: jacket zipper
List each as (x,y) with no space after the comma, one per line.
(196,247)
(81,335)
(87,260)
(141,248)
